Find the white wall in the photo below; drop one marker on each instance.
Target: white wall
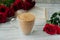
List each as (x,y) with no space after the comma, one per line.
(49,1)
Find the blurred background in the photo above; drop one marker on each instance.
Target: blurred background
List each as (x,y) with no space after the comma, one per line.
(49,1)
(46,1)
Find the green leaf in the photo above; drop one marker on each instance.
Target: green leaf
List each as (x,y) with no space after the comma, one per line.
(48,21)
(8,2)
(54,15)
(59,14)
(54,19)
(1,2)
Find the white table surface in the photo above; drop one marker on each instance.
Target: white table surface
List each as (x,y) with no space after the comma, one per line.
(11,31)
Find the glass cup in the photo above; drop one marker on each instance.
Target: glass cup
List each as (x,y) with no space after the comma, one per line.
(26,21)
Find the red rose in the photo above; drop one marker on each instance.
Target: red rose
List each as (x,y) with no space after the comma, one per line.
(29,0)
(28,5)
(3,8)
(17,1)
(23,4)
(3,13)
(2,17)
(33,4)
(19,4)
(58,29)
(14,7)
(10,13)
(50,29)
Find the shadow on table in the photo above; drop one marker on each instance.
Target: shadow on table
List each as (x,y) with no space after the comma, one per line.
(39,33)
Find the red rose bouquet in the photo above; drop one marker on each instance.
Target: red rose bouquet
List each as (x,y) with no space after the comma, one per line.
(53,25)
(9,7)
(3,13)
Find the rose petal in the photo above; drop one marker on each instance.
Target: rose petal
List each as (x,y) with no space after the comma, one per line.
(50,29)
